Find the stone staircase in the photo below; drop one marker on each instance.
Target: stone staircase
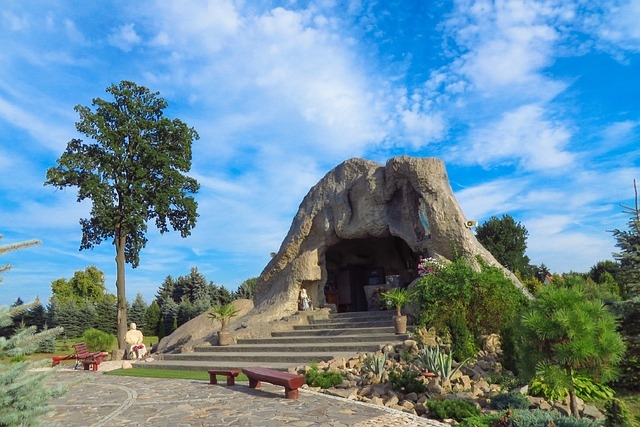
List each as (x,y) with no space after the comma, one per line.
(323,339)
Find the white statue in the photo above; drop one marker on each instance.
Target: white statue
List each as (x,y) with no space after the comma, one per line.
(134,348)
(305,301)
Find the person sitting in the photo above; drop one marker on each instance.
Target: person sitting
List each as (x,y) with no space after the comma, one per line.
(135,348)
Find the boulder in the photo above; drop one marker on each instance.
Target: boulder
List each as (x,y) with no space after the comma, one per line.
(365,219)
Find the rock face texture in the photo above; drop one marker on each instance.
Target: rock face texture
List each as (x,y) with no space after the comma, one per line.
(363,225)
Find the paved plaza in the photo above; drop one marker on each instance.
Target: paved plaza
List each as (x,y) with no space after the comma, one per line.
(108,400)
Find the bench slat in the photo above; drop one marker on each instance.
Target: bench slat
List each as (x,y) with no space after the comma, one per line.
(291,382)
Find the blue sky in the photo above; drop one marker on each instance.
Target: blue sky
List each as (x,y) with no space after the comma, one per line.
(533,106)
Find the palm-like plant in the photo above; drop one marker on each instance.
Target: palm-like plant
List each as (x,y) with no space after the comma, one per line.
(223,313)
(397,297)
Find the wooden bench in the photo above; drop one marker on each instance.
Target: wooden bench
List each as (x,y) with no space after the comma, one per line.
(291,382)
(231,375)
(89,360)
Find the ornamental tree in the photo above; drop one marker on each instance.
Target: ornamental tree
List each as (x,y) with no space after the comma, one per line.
(133,171)
(506,239)
(564,334)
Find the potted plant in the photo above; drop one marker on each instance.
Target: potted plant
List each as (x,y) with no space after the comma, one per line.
(398,298)
(223,313)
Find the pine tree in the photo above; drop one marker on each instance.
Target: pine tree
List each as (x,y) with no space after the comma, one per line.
(23,396)
(629,255)
(137,312)
(152,320)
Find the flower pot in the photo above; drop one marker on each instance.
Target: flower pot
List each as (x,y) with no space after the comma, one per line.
(224,337)
(400,324)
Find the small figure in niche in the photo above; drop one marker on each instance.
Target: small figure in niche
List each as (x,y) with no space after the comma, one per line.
(304,301)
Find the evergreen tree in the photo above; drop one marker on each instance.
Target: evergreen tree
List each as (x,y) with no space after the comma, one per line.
(564,334)
(629,255)
(23,396)
(169,314)
(137,312)
(247,289)
(152,319)
(107,315)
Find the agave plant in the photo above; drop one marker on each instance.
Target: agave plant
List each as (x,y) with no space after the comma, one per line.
(439,362)
(376,363)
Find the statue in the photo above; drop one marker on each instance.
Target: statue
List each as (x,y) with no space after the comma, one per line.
(135,348)
(305,301)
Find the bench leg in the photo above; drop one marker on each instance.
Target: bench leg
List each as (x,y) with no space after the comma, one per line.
(254,383)
(231,380)
(291,393)
(213,379)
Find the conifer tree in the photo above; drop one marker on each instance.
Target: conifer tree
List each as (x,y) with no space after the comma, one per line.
(629,244)
(23,397)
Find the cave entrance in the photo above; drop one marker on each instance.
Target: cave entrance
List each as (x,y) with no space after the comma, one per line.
(359,269)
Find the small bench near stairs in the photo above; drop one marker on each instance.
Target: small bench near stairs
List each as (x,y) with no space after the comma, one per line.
(291,382)
(231,375)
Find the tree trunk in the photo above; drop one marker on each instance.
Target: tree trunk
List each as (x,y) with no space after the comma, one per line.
(120,289)
(573,399)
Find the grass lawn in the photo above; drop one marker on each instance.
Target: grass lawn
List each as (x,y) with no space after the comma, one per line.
(168,373)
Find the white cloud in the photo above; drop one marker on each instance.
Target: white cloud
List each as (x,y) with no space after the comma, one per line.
(523,137)
(125,37)
(620,25)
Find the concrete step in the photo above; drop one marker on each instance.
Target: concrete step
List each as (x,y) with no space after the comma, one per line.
(335,331)
(295,347)
(206,365)
(258,358)
(306,339)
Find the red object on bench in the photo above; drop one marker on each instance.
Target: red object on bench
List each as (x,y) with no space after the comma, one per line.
(88,359)
(291,382)
(231,375)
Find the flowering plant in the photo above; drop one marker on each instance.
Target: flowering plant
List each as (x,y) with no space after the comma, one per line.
(429,266)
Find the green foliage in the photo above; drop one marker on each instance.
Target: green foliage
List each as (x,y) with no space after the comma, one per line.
(406,382)
(506,239)
(97,340)
(247,289)
(324,379)
(564,334)
(468,303)
(540,418)
(376,363)
(133,172)
(510,400)
(136,313)
(396,298)
(456,409)
(152,319)
(629,244)
(617,414)
(23,394)
(223,313)
(439,362)
(488,420)
(87,285)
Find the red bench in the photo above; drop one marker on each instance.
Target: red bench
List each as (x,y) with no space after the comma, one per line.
(231,375)
(291,382)
(90,360)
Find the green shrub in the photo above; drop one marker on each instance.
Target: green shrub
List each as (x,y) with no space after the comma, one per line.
(406,382)
(456,409)
(617,414)
(97,340)
(488,420)
(540,418)
(510,400)
(323,379)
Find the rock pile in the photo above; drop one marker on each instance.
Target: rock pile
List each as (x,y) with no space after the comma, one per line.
(473,382)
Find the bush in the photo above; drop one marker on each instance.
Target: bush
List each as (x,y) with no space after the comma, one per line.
(97,340)
(488,420)
(456,409)
(406,382)
(540,418)
(324,380)
(617,414)
(510,400)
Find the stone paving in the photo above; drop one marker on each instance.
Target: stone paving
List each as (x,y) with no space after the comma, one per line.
(107,400)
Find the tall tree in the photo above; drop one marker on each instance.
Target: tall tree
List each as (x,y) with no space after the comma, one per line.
(506,239)
(133,172)
(138,311)
(629,244)
(564,334)
(85,285)
(23,395)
